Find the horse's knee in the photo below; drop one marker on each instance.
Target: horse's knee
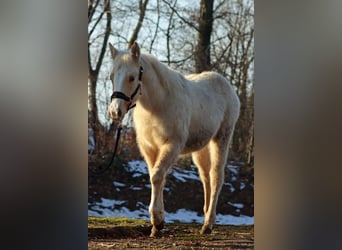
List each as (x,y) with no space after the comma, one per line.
(157,176)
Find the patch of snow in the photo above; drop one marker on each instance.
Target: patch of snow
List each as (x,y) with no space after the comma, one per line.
(140,204)
(109,203)
(232,189)
(186,216)
(237,205)
(121,212)
(185,174)
(94,213)
(242,185)
(233,169)
(119,184)
(166,189)
(106,208)
(138,168)
(183,215)
(223,219)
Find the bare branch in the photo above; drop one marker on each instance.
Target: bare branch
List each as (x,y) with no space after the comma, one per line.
(108,12)
(157,27)
(219,5)
(168,34)
(91,9)
(177,61)
(182,18)
(142,8)
(96,23)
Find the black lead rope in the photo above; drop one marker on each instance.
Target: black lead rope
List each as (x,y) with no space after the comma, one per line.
(118,133)
(120,95)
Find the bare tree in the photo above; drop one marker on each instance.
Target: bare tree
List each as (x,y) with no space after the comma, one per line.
(97,10)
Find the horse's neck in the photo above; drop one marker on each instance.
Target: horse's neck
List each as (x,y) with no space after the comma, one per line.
(156,83)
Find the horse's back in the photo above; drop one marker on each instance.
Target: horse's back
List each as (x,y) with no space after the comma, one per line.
(215,88)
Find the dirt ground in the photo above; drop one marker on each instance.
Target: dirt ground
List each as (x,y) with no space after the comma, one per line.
(174,236)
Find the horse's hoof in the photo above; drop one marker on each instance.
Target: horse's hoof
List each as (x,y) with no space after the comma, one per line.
(156,230)
(205,230)
(160,226)
(155,233)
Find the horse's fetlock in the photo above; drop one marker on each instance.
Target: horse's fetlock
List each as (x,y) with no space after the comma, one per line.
(206,230)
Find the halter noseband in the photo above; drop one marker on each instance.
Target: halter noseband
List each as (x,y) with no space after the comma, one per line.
(121,95)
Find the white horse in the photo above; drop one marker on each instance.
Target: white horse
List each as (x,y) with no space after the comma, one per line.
(175,114)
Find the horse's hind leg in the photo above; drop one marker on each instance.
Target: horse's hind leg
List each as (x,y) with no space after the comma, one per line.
(202,160)
(218,147)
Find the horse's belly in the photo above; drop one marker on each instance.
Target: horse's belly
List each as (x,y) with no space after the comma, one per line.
(196,142)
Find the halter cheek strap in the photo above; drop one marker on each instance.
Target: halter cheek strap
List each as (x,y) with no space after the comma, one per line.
(141,70)
(121,95)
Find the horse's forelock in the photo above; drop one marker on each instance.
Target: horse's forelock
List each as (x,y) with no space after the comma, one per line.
(124,60)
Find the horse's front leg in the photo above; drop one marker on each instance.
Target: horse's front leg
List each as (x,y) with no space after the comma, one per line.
(166,157)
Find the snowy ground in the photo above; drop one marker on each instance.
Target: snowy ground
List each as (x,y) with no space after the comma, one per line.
(106,208)
(116,208)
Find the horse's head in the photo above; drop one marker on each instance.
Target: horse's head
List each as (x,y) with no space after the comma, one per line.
(125,77)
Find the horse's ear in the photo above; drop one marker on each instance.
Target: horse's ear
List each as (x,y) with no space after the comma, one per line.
(113,50)
(135,50)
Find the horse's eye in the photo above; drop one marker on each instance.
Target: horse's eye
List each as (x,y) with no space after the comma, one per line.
(131,78)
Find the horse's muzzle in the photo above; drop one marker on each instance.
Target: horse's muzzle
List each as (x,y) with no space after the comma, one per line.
(115,114)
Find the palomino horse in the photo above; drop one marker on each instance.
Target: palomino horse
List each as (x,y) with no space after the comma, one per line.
(174,115)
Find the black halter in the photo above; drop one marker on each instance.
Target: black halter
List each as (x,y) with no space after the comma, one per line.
(121,95)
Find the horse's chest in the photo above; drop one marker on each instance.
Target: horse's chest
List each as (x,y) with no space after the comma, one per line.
(152,134)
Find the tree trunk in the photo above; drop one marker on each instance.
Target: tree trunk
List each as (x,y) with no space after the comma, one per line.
(94,122)
(202,51)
